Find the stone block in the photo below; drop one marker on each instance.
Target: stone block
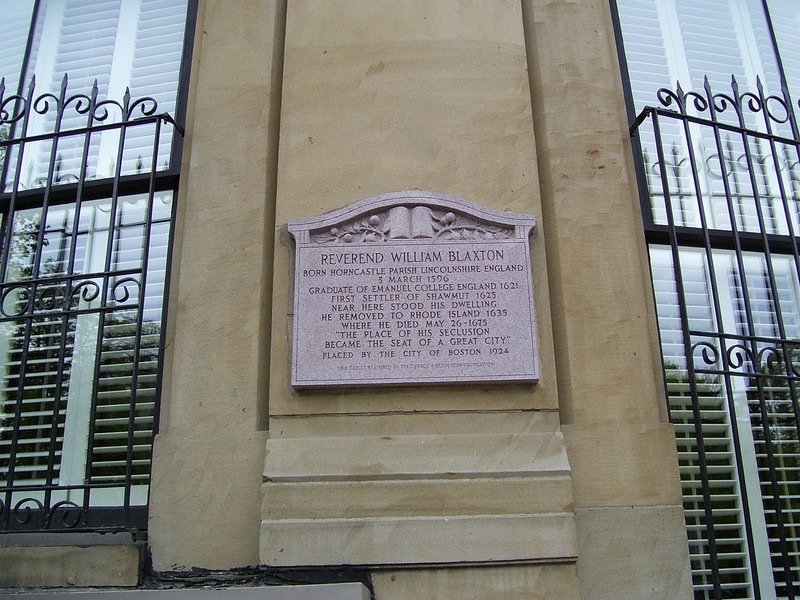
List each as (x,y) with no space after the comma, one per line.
(420,540)
(630,553)
(205,500)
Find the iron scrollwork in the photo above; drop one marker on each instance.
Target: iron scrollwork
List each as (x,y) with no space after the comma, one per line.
(85,112)
(60,296)
(32,512)
(16,106)
(773,359)
(772,108)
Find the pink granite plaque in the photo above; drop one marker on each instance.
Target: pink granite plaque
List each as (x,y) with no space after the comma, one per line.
(413,288)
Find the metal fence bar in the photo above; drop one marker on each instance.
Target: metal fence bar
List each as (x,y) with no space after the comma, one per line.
(684,318)
(36,495)
(742,357)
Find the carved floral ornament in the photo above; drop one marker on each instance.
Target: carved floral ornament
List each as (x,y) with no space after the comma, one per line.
(417,222)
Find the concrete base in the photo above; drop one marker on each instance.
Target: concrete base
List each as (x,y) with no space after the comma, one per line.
(69,566)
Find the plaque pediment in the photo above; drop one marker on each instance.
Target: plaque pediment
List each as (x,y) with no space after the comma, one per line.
(410,215)
(413,288)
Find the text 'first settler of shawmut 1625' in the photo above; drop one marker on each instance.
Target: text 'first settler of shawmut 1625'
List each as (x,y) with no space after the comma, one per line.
(411,289)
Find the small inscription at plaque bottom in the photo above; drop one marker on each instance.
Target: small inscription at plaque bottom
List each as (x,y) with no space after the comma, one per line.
(413,288)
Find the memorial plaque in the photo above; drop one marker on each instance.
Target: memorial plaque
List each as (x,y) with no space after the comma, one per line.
(413,288)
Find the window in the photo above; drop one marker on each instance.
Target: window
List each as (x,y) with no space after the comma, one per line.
(714,125)
(89,150)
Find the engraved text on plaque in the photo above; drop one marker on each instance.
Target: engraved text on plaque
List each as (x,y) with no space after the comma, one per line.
(413,288)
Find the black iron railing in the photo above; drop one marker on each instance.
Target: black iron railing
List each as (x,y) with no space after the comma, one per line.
(86,233)
(721,205)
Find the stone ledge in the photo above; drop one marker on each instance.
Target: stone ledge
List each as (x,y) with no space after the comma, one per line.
(480,539)
(415,498)
(69,538)
(334,591)
(411,457)
(424,422)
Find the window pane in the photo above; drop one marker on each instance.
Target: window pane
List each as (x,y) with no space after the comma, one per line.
(702,421)
(785,16)
(82,294)
(79,347)
(14,28)
(729,318)
(685,40)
